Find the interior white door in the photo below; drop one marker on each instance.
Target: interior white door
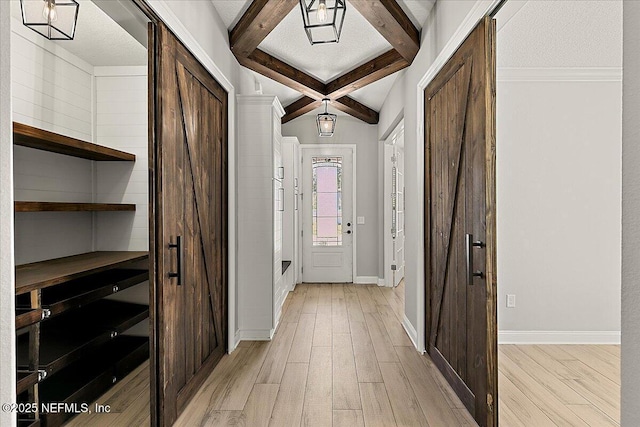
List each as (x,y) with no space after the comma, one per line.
(393,200)
(398,237)
(328,228)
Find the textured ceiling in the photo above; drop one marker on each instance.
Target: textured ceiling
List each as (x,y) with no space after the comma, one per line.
(359,43)
(99,40)
(374,94)
(562,34)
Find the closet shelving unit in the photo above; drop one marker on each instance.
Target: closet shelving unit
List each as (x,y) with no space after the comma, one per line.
(70,346)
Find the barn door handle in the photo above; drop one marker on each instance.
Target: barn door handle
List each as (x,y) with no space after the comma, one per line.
(470,244)
(178,246)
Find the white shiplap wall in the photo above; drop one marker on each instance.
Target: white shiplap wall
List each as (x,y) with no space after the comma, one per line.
(52,90)
(121,123)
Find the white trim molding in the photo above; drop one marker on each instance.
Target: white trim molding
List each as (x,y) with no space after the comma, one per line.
(366,280)
(120,71)
(559,337)
(7,260)
(255,335)
(565,74)
(411,331)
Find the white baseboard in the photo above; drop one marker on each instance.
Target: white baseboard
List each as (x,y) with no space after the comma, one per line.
(236,341)
(411,331)
(383,283)
(368,280)
(559,337)
(256,334)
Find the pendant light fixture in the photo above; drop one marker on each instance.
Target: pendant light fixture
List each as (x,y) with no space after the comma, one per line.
(53,19)
(326,121)
(323,20)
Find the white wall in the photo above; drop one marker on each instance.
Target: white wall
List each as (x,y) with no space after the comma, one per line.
(559,120)
(559,206)
(350,130)
(7,284)
(121,123)
(443,21)
(121,116)
(51,89)
(631,217)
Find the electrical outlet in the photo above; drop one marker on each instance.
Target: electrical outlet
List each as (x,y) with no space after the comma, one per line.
(511,301)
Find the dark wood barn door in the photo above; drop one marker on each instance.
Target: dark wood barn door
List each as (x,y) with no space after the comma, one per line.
(460,223)
(191,225)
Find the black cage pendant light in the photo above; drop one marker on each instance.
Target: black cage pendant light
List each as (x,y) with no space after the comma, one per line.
(326,121)
(323,19)
(53,19)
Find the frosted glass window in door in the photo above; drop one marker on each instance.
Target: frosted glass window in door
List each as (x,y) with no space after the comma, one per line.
(327,201)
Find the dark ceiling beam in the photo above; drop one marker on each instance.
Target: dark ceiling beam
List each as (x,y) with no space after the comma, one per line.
(374,70)
(298,108)
(258,21)
(269,66)
(352,107)
(388,18)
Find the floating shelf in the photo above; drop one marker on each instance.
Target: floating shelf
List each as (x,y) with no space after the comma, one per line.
(29,136)
(26,379)
(72,207)
(39,275)
(27,316)
(69,337)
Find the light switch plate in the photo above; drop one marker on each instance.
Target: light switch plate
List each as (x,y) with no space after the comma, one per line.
(511,301)
(360,220)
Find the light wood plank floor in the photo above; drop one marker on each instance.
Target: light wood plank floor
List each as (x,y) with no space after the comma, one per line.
(341,357)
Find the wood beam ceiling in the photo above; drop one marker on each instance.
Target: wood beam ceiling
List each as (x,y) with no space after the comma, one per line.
(393,24)
(386,16)
(258,21)
(302,106)
(352,107)
(267,65)
(374,70)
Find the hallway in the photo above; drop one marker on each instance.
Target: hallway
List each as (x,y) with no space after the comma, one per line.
(341,357)
(341,354)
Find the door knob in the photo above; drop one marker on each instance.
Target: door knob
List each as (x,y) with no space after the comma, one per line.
(348,224)
(348,231)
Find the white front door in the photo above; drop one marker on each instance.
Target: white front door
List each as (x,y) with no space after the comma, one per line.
(328,227)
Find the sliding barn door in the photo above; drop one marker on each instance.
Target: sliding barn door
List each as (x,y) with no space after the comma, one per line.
(192,225)
(460,223)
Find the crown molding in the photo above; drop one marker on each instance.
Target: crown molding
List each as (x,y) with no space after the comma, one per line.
(564,74)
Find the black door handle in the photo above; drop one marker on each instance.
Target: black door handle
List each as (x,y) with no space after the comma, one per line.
(348,231)
(180,260)
(470,244)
